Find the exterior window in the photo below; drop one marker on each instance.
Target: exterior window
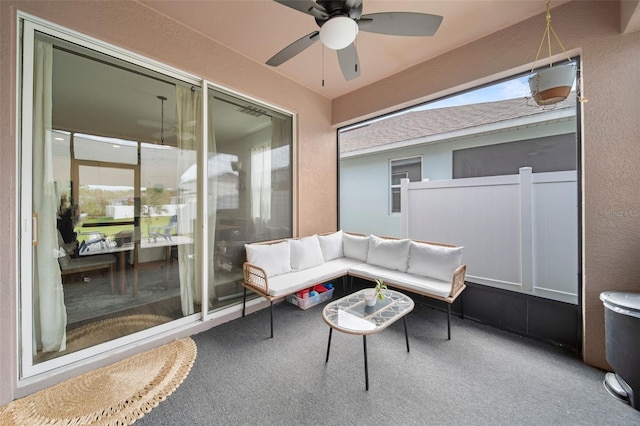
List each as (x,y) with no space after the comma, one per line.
(408,168)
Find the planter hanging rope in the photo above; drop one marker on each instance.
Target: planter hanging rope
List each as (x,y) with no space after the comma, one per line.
(547,36)
(553,84)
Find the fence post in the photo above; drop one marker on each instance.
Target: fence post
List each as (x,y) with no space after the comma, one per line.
(526,229)
(404,207)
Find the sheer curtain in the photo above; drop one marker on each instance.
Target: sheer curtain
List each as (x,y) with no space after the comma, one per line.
(189,131)
(281,177)
(212,198)
(261,190)
(270,204)
(49,312)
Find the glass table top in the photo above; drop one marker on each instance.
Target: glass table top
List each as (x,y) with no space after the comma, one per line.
(350,314)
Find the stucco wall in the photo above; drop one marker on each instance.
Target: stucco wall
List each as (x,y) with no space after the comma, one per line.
(132,26)
(611,180)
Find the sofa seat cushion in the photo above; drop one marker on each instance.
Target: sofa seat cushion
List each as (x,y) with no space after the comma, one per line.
(409,282)
(86,261)
(283,285)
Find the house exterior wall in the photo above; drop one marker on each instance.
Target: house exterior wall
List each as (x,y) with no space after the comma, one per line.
(610,128)
(365,180)
(132,26)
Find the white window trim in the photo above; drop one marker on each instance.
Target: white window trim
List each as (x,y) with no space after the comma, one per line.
(393,186)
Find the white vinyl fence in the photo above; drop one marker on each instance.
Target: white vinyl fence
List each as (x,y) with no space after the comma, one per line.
(519,232)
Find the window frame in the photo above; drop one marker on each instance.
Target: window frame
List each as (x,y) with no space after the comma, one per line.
(396,187)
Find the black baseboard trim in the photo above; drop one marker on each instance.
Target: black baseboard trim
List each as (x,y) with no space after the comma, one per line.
(547,320)
(532,316)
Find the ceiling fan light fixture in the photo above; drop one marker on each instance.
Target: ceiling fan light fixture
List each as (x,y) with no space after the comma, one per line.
(338,32)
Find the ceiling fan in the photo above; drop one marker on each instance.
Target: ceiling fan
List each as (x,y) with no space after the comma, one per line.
(340,21)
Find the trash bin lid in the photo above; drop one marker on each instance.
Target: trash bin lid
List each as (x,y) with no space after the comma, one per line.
(625,303)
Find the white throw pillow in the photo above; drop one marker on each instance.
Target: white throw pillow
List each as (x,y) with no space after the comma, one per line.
(331,245)
(434,261)
(390,254)
(273,258)
(305,253)
(355,246)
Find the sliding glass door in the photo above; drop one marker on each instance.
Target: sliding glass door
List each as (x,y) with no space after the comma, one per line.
(140,185)
(110,199)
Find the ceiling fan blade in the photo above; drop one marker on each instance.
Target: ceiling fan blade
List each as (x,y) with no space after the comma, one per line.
(349,64)
(400,23)
(353,8)
(309,7)
(293,49)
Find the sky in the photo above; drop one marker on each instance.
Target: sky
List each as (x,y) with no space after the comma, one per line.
(511,89)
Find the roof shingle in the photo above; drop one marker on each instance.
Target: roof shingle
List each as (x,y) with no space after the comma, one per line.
(429,122)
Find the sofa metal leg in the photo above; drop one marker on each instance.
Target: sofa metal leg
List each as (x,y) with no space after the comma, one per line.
(244,300)
(271,319)
(449,321)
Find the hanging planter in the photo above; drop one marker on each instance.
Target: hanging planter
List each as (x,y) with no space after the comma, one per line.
(552,85)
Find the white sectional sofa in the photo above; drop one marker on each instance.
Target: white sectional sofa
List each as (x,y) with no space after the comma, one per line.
(278,268)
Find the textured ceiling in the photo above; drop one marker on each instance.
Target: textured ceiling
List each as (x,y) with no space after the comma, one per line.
(258,29)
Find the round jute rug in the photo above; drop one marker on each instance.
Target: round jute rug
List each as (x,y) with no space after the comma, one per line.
(117,394)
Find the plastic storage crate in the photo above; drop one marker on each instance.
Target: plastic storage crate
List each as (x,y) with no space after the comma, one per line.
(310,301)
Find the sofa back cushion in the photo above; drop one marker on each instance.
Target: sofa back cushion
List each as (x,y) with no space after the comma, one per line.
(355,246)
(390,254)
(331,246)
(273,258)
(434,261)
(305,253)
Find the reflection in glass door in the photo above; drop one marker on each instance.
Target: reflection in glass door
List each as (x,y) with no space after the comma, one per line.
(114,199)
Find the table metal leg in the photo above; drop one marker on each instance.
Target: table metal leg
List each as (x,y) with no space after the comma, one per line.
(329,344)
(406,336)
(366,367)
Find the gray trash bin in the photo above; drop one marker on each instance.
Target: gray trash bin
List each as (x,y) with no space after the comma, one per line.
(622,333)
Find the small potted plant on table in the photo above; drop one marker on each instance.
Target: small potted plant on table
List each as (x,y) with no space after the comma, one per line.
(373,295)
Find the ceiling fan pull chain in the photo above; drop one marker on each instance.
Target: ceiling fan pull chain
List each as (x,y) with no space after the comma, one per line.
(355,66)
(322,65)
